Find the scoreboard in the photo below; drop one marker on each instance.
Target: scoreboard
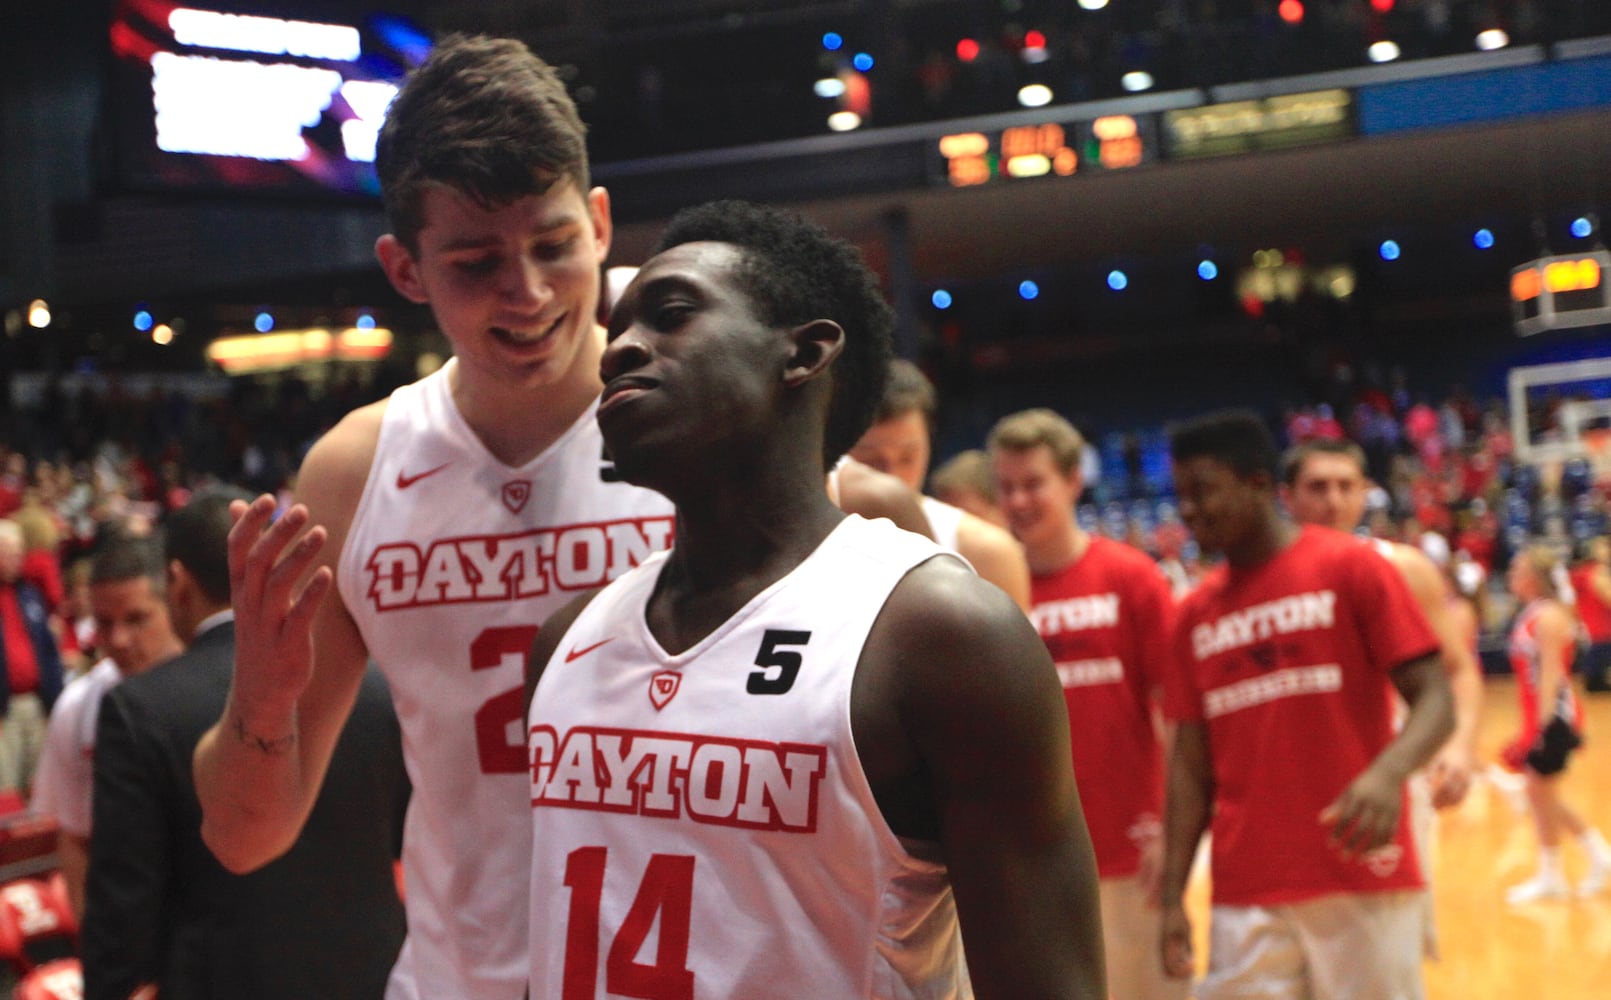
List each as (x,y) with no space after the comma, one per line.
(1561,292)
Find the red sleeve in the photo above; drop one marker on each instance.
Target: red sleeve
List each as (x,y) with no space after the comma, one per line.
(1182,701)
(1394,629)
(1154,604)
(41,569)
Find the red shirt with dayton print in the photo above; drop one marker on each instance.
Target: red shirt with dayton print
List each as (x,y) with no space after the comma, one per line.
(1104,618)
(1287,666)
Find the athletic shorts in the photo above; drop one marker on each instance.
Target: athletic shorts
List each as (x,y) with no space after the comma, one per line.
(1547,754)
(1346,946)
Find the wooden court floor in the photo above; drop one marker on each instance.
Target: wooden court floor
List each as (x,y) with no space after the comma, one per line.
(1554,950)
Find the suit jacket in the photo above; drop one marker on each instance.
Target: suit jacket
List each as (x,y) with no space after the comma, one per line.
(323,922)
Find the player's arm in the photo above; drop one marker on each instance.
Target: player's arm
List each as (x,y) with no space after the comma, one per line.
(1365,816)
(996,556)
(128,883)
(299,658)
(60,762)
(872,494)
(1188,804)
(981,733)
(1455,761)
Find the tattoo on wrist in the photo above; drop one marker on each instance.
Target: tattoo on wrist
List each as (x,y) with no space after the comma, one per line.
(270,747)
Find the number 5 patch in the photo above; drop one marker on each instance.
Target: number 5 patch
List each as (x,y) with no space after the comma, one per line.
(785,662)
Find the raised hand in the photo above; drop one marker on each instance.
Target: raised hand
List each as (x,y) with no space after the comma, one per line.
(275,599)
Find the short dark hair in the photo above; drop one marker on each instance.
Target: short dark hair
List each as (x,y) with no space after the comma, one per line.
(1238,438)
(121,556)
(906,389)
(197,536)
(1292,461)
(794,272)
(483,116)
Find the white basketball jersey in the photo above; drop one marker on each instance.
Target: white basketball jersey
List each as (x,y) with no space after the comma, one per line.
(452,562)
(703,825)
(944,521)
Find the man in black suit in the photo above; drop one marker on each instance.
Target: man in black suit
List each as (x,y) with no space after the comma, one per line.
(324,921)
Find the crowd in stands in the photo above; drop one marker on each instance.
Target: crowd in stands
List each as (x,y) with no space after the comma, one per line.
(1445,471)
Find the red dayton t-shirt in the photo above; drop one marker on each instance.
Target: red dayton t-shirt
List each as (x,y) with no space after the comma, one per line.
(1287,664)
(1105,618)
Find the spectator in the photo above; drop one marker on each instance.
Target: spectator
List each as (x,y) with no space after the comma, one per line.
(30,666)
(325,920)
(126,597)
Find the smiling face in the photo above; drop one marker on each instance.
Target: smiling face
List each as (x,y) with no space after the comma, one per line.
(689,367)
(514,287)
(1221,508)
(1036,495)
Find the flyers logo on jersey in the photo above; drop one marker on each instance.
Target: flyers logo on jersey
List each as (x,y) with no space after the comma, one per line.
(755,784)
(515,495)
(663,687)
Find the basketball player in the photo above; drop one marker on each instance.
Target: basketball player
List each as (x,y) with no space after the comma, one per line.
(1285,659)
(898,443)
(965,480)
(762,763)
(1542,644)
(1101,607)
(1323,482)
(452,517)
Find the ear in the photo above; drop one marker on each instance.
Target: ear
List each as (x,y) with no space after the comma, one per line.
(813,348)
(401,269)
(179,584)
(598,210)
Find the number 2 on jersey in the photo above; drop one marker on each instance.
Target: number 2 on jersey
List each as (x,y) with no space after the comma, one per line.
(500,732)
(666,893)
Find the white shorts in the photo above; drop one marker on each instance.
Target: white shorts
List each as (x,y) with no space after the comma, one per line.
(1424,831)
(1130,944)
(1347,946)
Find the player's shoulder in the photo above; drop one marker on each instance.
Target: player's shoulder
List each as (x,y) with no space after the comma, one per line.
(333,474)
(1318,545)
(941,600)
(86,688)
(1123,557)
(1208,592)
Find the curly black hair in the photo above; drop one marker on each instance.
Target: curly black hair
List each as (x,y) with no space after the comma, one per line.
(795,272)
(1238,438)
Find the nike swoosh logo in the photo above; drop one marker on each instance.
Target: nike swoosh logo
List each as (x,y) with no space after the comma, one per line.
(404,482)
(577,654)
